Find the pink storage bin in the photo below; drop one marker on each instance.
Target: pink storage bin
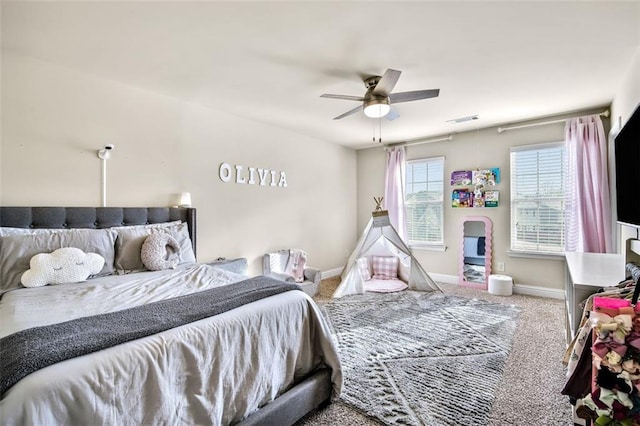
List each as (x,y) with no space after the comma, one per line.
(610,303)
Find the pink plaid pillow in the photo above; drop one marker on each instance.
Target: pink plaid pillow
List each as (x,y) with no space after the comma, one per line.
(363,267)
(385,267)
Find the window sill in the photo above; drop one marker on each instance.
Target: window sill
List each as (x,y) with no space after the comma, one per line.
(535,255)
(427,247)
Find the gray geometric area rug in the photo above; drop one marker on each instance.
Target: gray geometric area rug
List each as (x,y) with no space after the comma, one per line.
(421,358)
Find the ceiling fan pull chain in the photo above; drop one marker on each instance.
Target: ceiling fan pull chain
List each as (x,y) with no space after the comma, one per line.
(477,148)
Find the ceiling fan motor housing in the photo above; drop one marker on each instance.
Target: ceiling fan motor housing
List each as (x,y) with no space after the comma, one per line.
(375,105)
(371,99)
(371,82)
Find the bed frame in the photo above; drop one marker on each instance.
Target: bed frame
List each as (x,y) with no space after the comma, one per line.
(305,396)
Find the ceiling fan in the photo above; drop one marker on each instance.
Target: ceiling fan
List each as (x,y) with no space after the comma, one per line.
(378,98)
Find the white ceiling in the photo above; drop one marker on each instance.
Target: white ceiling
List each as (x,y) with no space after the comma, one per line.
(271,61)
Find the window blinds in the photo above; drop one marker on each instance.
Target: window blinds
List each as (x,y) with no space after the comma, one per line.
(538,198)
(424,200)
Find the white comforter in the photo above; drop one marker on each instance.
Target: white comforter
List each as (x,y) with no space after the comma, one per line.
(214,371)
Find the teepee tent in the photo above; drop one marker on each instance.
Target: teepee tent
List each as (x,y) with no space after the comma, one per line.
(381,239)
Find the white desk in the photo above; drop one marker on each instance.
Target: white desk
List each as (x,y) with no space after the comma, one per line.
(586,273)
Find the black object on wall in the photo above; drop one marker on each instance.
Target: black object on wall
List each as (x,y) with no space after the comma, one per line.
(627,162)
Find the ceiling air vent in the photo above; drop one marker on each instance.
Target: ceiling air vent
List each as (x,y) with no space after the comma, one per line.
(463,119)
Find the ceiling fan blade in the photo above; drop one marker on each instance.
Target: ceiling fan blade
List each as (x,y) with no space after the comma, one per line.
(345,97)
(350,112)
(387,82)
(392,114)
(394,98)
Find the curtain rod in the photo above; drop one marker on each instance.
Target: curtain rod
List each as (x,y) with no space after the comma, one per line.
(504,129)
(420,141)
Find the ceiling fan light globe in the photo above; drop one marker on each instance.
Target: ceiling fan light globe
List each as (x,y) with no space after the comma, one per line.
(377,110)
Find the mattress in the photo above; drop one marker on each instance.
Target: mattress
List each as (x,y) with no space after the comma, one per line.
(214,371)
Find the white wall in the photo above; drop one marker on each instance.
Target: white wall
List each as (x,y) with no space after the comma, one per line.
(55,119)
(485,148)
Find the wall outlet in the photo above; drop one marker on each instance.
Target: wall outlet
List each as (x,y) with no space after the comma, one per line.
(500,266)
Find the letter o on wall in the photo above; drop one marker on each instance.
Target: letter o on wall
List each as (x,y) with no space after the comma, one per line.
(225,172)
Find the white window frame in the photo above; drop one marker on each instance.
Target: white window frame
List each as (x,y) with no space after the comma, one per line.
(437,244)
(537,248)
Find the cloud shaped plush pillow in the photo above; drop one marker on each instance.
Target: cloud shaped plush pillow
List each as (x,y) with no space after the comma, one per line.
(65,265)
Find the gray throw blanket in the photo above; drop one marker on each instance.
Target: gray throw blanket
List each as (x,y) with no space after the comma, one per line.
(29,350)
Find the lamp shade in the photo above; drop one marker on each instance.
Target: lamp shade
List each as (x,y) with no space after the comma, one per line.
(376,107)
(185,199)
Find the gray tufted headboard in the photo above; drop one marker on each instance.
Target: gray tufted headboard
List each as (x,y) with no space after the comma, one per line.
(95,217)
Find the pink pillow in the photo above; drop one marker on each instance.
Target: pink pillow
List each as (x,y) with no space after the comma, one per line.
(385,267)
(363,267)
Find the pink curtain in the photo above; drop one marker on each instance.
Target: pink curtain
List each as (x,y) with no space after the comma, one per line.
(588,215)
(394,190)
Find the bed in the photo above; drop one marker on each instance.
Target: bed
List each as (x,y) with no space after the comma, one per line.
(269,361)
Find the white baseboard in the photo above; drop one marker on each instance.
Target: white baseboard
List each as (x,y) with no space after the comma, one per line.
(528,290)
(531,290)
(442,278)
(332,273)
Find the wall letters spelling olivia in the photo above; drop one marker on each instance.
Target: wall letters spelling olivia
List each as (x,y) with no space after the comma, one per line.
(252,175)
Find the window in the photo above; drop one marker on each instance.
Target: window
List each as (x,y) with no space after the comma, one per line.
(538,178)
(423,201)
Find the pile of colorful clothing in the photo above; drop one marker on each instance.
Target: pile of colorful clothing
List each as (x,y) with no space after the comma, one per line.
(604,362)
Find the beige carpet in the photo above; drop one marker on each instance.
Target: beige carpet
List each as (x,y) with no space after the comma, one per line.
(533,378)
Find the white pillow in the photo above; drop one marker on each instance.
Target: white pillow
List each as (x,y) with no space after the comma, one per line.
(363,267)
(62,266)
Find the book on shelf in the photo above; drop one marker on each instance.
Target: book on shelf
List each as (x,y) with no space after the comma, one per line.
(478,199)
(491,198)
(486,177)
(461,198)
(461,178)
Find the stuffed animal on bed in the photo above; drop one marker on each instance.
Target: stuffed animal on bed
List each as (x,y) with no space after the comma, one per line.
(160,251)
(65,265)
